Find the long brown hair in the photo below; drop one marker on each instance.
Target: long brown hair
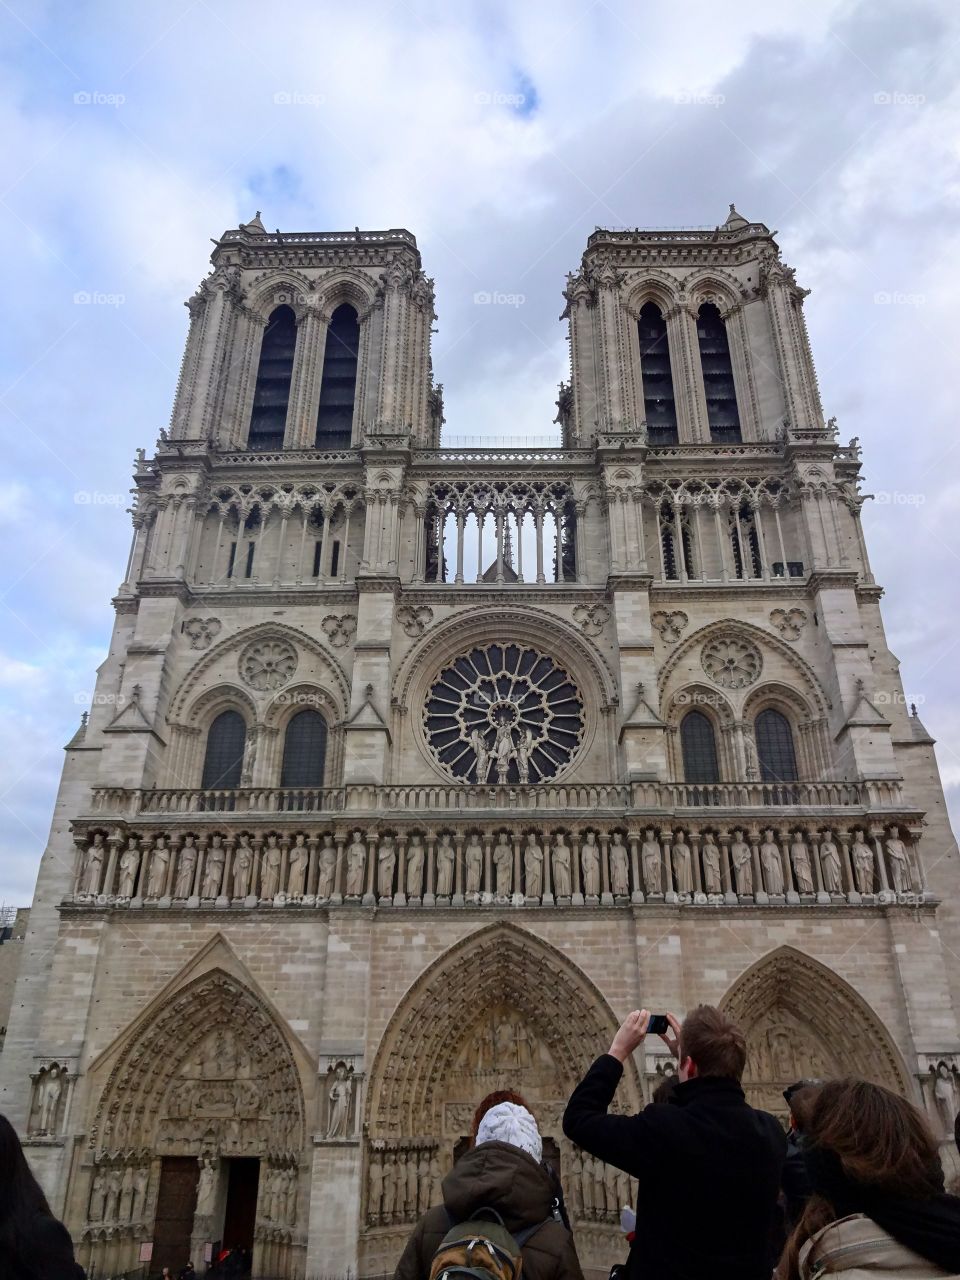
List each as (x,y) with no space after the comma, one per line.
(881,1141)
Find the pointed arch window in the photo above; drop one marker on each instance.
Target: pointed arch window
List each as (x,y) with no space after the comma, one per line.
(272,392)
(659,403)
(745,543)
(722,414)
(304,750)
(223,759)
(338,385)
(698,744)
(775,750)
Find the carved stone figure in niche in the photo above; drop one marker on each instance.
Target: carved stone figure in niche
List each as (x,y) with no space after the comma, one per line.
(141,1179)
(386,865)
(129,866)
(482,754)
(682,865)
(533,867)
(899,863)
(374,1188)
(297,873)
(270,869)
(590,866)
(504,752)
(206,1186)
(473,857)
(415,867)
(339,1095)
(242,867)
(159,865)
(49,1092)
(98,1197)
(423,1190)
(802,869)
(356,864)
(290,1198)
(772,864)
(503,861)
(619,867)
(114,1182)
(389,1187)
(712,881)
(445,857)
(863,863)
(213,868)
(436,1178)
(650,857)
(742,866)
(830,864)
(328,869)
(945,1096)
(524,751)
(93,866)
(186,867)
(560,867)
(413,1171)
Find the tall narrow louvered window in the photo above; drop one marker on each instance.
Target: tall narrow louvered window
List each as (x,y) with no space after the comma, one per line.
(775,750)
(304,750)
(659,405)
(223,761)
(745,544)
(338,387)
(272,392)
(722,415)
(699,746)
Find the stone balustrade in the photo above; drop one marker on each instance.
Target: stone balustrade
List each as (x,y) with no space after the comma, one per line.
(485,862)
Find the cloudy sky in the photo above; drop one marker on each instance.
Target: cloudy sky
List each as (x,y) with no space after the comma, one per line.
(501,134)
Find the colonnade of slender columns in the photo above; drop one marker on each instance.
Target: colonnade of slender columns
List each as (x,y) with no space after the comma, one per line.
(718,542)
(494,539)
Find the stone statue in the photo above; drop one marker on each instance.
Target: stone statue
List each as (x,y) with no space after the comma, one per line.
(290,1198)
(650,857)
(415,867)
(126,1195)
(270,869)
(114,1181)
(473,857)
(436,1178)
(830,864)
(524,751)
(445,859)
(328,869)
(504,751)
(374,1188)
(503,861)
(682,865)
(141,1179)
(356,865)
(93,866)
(533,867)
(619,867)
(297,871)
(242,866)
(339,1097)
(48,1099)
(129,866)
(772,864)
(482,753)
(590,866)
(712,879)
(423,1178)
(898,862)
(742,866)
(945,1097)
(802,870)
(159,865)
(413,1171)
(98,1196)
(863,863)
(186,868)
(389,1187)
(213,868)
(560,867)
(386,865)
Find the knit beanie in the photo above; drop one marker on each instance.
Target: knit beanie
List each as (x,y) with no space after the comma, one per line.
(506,1122)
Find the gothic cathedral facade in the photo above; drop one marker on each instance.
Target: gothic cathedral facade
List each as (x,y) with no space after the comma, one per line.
(412,769)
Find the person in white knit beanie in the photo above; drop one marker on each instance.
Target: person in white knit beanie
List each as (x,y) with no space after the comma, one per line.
(506,1122)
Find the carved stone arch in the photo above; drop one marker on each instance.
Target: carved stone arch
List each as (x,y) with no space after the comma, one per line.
(425,1051)
(802,1020)
(712,284)
(344,285)
(698,696)
(280,287)
(656,286)
(783,698)
(222,697)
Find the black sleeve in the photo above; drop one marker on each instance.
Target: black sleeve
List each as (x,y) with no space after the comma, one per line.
(623,1141)
(49,1249)
(410,1266)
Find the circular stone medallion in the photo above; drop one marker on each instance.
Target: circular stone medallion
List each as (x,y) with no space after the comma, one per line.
(731,662)
(267,664)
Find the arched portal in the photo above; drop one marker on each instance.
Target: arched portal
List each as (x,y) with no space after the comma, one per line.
(501,1010)
(198,1133)
(802,1020)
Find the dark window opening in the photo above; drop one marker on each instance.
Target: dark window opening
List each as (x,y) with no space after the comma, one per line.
(775,750)
(722,414)
(223,760)
(668,540)
(248,570)
(317,554)
(338,385)
(272,393)
(699,746)
(304,750)
(230,562)
(746,546)
(335,559)
(659,403)
(794,569)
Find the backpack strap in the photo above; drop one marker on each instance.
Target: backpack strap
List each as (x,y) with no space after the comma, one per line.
(522,1237)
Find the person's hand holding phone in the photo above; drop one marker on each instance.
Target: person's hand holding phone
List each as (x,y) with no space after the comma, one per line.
(671,1035)
(630,1036)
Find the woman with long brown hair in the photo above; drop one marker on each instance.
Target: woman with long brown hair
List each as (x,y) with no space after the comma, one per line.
(877,1204)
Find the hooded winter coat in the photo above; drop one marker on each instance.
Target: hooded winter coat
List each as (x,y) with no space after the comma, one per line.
(855,1248)
(498,1176)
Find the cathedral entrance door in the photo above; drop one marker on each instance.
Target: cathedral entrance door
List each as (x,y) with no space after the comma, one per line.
(176,1205)
(243,1180)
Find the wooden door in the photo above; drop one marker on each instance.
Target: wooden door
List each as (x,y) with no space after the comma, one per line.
(176,1205)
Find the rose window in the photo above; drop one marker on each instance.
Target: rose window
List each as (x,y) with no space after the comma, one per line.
(504,713)
(731,662)
(267,664)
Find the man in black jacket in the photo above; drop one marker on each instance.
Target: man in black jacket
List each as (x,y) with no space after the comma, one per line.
(707,1163)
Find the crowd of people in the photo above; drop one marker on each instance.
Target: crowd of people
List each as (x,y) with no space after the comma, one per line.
(854,1190)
